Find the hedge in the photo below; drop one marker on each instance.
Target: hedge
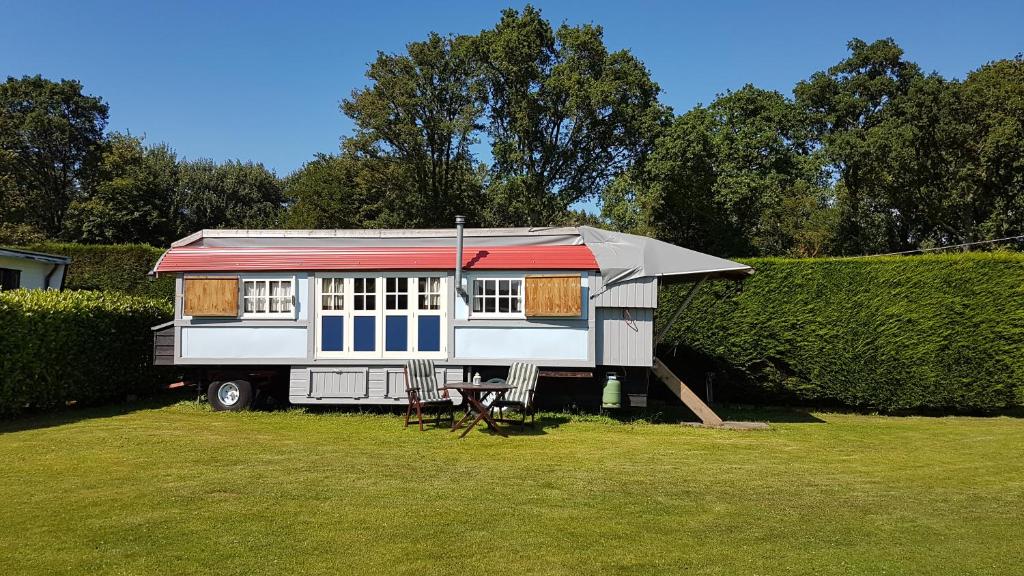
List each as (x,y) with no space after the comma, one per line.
(80,346)
(120,267)
(889,333)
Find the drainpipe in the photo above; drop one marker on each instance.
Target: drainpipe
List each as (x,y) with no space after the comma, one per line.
(460,222)
(49,275)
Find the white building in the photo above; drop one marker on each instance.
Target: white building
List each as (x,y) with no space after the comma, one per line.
(32,270)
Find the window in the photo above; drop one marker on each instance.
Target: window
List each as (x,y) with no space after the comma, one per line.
(10,279)
(498,297)
(332,294)
(430,293)
(396,293)
(364,291)
(267,298)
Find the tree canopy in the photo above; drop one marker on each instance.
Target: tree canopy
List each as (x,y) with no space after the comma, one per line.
(50,135)
(565,115)
(527,123)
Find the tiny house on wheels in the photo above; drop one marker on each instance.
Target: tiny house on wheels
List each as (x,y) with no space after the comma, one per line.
(338,312)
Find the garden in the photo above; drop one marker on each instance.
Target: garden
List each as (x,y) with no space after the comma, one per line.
(912,466)
(169,487)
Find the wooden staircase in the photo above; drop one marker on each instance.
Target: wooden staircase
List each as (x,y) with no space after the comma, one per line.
(680,389)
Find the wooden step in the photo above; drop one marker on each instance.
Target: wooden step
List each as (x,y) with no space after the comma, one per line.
(680,389)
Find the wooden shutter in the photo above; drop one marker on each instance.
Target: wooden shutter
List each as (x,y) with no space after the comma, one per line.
(554,295)
(211,296)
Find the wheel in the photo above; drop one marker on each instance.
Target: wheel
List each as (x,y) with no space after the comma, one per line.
(231,395)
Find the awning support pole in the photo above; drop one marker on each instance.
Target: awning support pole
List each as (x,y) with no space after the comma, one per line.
(675,383)
(679,311)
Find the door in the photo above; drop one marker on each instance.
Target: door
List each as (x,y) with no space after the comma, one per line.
(391,315)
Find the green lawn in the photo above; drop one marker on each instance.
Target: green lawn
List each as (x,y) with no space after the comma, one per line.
(182,490)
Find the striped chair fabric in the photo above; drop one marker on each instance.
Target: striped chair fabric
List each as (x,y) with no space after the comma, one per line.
(423,391)
(421,375)
(523,377)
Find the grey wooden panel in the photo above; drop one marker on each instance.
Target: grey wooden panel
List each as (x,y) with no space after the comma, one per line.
(637,293)
(625,336)
(163,346)
(339,383)
(357,384)
(378,386)
(298,381)
(395,383)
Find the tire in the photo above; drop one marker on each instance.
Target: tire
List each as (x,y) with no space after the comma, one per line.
(230,395)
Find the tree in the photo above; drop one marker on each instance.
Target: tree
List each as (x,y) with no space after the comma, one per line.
(329,192)
(417,122)
(565,115)
(229,195)
(132,196)
(733,178)
(851,108)
(988,120)
(671,197)
(50,136)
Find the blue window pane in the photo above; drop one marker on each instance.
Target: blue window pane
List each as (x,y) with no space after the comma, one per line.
(429,331)
(396,333)
(364,337)
(332,336)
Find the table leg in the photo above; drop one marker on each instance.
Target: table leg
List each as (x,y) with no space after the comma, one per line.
(490,421)
(482,414)
(467,395)
(465,417)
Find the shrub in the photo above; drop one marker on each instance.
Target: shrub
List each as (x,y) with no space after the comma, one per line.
(75,346)
(890,333)
(120,267)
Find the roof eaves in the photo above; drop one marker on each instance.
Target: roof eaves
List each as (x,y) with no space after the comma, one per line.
(191,238)
(37,256)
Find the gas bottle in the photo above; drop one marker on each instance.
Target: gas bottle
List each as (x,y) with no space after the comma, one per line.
(612,396)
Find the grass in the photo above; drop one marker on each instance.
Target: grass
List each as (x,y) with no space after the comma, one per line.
(178,489)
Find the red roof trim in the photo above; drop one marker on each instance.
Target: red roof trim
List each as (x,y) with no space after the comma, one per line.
(209,259)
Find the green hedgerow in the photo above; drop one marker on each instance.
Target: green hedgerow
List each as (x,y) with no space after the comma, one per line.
(82,346)
(889,333)
(120,267)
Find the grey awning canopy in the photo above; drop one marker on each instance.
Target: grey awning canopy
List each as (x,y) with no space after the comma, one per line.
(624,257)
(620,256)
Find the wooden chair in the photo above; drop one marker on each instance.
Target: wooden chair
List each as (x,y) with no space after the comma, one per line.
(424,393)
(523,378)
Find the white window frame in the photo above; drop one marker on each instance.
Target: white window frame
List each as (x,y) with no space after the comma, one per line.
(521,295)
(290,315)
(380,313)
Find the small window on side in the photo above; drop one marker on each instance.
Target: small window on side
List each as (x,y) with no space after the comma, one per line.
(10,279)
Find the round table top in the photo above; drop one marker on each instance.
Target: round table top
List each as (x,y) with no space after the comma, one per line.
(485,386)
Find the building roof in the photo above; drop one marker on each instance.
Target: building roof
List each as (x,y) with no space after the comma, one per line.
(620,257)
(37,256)
(203,259)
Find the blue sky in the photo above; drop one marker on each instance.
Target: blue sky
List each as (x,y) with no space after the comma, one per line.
(262,81)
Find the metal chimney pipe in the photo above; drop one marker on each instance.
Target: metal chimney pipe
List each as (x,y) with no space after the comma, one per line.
(460,222)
